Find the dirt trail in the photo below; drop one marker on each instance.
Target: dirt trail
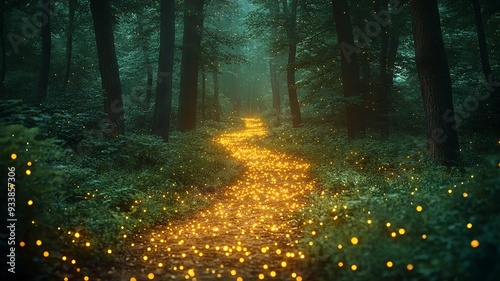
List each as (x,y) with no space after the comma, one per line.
(248,234)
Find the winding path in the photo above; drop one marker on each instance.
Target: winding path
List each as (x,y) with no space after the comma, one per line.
(248,234)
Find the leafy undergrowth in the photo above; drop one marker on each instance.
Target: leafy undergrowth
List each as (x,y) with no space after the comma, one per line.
(84,205)
(383,212)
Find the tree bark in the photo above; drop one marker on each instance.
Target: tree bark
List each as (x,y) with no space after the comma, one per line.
(216,95)
(43,77)
(69,41)
(191,41)
(108,66)
(163,103)
(290,26)
(149,84)
(350,70)
(3,56)
(435,82)
(494,87)
(276,106)
(382,5)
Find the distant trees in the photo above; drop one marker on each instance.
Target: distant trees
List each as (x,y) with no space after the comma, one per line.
(350,69)
(108,66)
(43,77)
(163,103)
(69,40)
(290,14)
(435,82)
(191,41)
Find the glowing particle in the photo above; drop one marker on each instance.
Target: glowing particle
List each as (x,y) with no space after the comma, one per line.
(145,258)
(13,156)
(389,264)
(30,202)
(474,243)
(354,267)
(401,231)
(86,278)
(283,263)
(133,279)
(299,278)
(110,251)
(388,224)
(77,235)
(239,279)
(233,272)
(469,225)
(409,266)
(87,244)
(424,236)
(272,273)
(261,276)
(39,242)
(465,194)
(191,272)
(151,276)
(341,264)
(28,172)
(369,221)
(22,244)
(45,254)
(354,240)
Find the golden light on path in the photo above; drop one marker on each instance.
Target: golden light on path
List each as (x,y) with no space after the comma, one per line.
(248,229)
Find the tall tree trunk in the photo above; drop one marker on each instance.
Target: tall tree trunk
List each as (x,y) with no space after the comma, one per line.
(163,103)
(3,56)
(382,5)
(203,94)
(43,77)
(391,56)
(274,10)
(291,18)
(216,95)
(191,41)
(69,41)
(493,86)
(237,91)
(108,66)
(435,82)
(149,84)
(350,70)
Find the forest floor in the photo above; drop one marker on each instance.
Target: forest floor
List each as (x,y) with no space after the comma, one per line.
(249,232)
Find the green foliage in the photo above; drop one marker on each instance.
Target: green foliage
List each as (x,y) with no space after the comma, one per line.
(365,184)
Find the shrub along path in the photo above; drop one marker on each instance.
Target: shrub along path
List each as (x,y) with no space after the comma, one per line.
(249,233)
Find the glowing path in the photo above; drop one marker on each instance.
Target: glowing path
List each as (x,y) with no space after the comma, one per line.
(248,234)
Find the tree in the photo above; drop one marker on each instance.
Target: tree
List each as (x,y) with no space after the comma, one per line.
(163,104)
(191,41)
(216,94)
(274,11)
(69,40)
(493,85)
(43,76)
(350,69)
(382,5)
(108,66)
(435,82)
(290,28)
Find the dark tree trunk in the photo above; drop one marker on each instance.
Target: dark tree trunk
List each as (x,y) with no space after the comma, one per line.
(350,70)
(290,26)
(163,103)
(108,66)
(203,94)
(274,10)
(275,89)
(69,40)
(494,87)
(43,77)
(149,84)
(435,82)
(216,95)
(237,92)
(382,5)
(191,41)
(3,57)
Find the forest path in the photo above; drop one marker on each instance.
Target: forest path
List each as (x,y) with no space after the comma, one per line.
(249,233)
